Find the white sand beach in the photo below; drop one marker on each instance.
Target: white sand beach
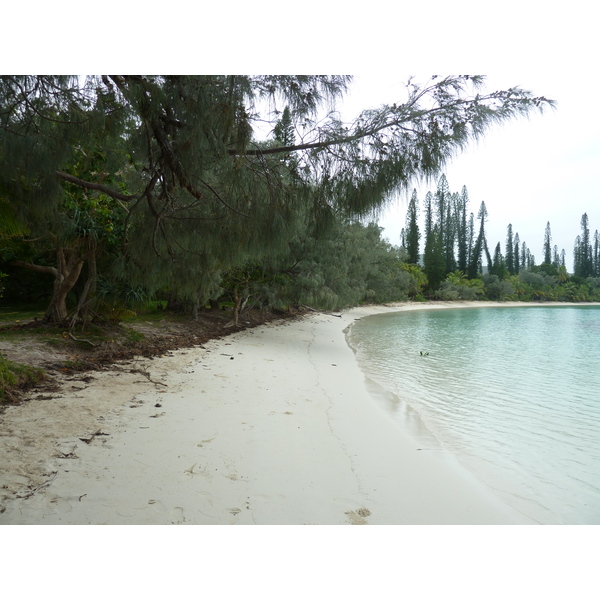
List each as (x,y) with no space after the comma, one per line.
(272,425)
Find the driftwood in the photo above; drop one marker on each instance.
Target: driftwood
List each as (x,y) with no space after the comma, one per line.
(80,340)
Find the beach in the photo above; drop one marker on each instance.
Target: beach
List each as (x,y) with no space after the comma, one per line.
(275,425)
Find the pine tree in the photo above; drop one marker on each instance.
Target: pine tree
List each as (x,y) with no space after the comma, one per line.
(449,239)
(583,250)
(284,129)
(428,215)
(480,245)
(444,218)
(434,259)
(577,258)
(524,257)
(470,239)
(462,232)
(516,255)
(510,250)
(596,254)
(498,262)
(412,230)
(547,245)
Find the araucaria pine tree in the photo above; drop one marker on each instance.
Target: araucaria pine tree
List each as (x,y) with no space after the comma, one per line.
(548,245)
(434,259)
(510,251)
(412,233)
(583,261)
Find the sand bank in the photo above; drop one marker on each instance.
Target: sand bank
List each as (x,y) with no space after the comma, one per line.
(272,425)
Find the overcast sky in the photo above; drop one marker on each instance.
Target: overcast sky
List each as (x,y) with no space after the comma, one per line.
(527,171)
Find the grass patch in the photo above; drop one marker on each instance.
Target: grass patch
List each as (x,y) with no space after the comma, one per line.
(15,377)
(12,315)
(132,336)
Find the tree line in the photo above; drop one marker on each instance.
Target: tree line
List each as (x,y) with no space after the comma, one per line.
(457,261)
(116,190)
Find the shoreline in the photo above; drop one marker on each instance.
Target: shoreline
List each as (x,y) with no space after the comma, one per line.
(271,425)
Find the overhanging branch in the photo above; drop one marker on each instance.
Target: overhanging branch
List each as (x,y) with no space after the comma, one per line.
(97,187)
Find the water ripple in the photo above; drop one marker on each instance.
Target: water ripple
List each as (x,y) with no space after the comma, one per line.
(513,392)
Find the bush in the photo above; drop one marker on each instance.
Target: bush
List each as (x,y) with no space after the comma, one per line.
(497,289)
(460,289)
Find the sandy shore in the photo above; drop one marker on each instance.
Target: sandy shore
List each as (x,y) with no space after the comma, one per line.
(272,425)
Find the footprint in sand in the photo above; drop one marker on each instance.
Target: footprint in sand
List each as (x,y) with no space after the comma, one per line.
(177,517)
(358,517)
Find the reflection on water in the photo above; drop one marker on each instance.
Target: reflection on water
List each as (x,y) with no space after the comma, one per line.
(511,392)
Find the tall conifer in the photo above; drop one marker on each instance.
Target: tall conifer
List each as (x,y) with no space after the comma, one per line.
(462,231)
(548,244)
(510,250)
(412,229)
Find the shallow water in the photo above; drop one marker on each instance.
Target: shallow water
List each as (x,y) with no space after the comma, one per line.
(513,393)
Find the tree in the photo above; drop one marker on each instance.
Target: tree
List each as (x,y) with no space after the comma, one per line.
(198,193)
(480,245)
(434,259)
(470,238)
(412,230)
(449,238)
(498,263)
(510,250)
(444,217)
(428,215)
(516,257)
(555,256)
(548,245)
(525,257)
(462,230)
(596,254)
(583,256)
(284,129)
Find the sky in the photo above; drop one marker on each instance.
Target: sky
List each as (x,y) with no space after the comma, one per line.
(529,171)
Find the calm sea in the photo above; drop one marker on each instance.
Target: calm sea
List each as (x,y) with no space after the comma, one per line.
(513,393)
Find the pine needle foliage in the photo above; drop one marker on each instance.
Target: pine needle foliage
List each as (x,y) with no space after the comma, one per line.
(196,191)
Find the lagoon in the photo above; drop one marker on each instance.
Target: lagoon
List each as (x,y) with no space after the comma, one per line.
(512,392)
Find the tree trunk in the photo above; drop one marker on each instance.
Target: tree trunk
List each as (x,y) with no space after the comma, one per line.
(66,274)
(236,306)
(84,305)
(66,277)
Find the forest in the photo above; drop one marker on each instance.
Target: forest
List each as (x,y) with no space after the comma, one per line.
(457,262)
(195,192)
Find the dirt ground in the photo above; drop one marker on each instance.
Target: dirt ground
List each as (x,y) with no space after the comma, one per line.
(77,354)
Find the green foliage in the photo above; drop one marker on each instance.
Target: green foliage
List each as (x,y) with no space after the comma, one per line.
(417,281)
(146,183)
(529,285)
(413,234)
(458,287)
(497,289)
(434,259)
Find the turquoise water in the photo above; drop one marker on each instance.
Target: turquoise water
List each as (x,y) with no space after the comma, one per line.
(513,393)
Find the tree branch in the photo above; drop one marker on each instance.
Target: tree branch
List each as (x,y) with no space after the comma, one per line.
(98,187)
(38,268)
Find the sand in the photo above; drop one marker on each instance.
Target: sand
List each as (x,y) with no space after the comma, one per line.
(272,425)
